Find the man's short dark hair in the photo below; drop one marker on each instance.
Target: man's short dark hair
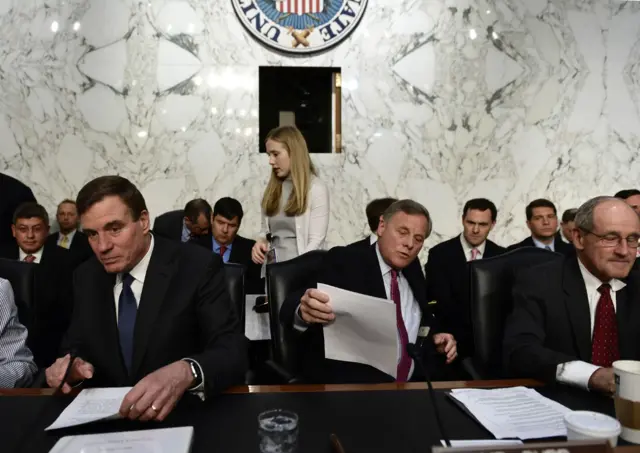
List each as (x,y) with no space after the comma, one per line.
(481,204)
(111,186)
(194,208)
(627,193)
(66,201)
(375,209)
(539,203)
(29,210)
(228,208)
(569,215)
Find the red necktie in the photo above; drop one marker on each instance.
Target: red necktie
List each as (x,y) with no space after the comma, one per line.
(404,366)
(29,259)
(223,248)
(605,331)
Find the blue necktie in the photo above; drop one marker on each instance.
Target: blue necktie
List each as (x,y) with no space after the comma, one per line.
(127,311)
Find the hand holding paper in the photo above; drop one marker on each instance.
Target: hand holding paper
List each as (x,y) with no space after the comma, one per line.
(91,405)
(315,307)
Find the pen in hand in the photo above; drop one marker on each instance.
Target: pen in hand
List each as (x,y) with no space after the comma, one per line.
(336,446)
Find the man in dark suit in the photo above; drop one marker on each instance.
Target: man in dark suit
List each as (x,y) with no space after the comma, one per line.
(49,316)
(374,211)
(388,270)
(186,335)
(446,269)
(69,237)
(542,221)
(185,224)
(576,315)
(225,241)
(567,226)
(14,193)
(631,197)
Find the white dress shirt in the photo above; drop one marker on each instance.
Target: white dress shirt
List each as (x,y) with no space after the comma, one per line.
(578,372)
(373,238)
(542,245)
(70,236)
(139,272)
(38,255)
(468,248)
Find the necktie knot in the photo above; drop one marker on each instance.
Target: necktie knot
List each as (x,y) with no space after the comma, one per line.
(127,280)
(474,254)
(605,288)
(223,249)
(29,258)
(548,248)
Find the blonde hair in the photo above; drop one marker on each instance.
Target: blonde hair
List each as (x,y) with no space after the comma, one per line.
(301,171)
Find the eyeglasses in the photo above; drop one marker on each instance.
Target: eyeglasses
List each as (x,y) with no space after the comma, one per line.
(613,240)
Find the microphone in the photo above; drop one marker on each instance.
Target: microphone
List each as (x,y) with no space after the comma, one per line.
(414,353)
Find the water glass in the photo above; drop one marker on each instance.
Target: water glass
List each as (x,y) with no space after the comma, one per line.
(278,431)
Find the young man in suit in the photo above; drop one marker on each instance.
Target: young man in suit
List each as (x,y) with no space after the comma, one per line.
(69,237)
(542,221)
(186,336)
(567,225)
(576,315)
(446,269)
(631,197)
(14,193)
(388,270)
(374,211)
(52,302)
(185,224)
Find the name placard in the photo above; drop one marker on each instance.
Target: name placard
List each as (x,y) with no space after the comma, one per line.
(577,446)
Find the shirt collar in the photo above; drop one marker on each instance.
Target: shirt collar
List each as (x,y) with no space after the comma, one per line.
(186,234)
(373,238)
(69,236)
(139,271)
(466,247)
(22,255)
(541,245)
(592,282)
(384,267)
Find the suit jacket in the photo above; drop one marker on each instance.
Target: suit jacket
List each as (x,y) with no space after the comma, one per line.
(312,225)
(14,193)
(169,225)
(52,301)
(184,311)
(551,324)
(447,277)
(80,249)
(559,246)
(355,269)
(240,254)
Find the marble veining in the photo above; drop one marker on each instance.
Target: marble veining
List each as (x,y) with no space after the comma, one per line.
(442,101)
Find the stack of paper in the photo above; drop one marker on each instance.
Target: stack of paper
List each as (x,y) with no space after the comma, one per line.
(516,412)
(170,440)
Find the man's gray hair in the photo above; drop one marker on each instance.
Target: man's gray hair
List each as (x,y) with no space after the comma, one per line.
(584,215)
(409,207)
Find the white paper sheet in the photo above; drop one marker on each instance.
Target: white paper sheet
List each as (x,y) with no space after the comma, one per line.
(168,440)
(516,413)
(364,330)
(91,405)
(256,325)
(481,443)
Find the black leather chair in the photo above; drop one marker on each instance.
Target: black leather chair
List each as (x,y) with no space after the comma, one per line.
(491,281)
(234,277)
(282,279)
(21,275)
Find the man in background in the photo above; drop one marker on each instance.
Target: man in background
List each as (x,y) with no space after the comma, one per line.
(446,269)
(374,211)
(567,225)
(185,224)
(69,237)
(631,197)
(542,221)
(12,194)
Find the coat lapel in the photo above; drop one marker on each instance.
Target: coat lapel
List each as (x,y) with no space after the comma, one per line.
(156,282)
(376,283)
(577,304)
(107,327)
(627,316)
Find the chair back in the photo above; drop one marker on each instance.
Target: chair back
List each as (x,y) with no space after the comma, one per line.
(282,279)
(234,278)
(491,282)
(21,275)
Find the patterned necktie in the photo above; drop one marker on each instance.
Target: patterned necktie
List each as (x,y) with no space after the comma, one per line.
(605,331)
(29,259)
(127,311)
(404,366)
(64,242)
(223,248)
(474,254)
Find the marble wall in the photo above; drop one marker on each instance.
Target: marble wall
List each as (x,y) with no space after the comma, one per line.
(444,100)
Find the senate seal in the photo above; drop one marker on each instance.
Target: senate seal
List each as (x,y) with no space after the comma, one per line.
(300,26)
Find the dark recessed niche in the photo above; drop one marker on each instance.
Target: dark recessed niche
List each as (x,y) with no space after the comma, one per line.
(308,97)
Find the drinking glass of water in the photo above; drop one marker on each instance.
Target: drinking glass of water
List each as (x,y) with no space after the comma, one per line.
(278,431)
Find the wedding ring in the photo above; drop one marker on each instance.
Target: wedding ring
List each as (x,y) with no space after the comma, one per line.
(153,408)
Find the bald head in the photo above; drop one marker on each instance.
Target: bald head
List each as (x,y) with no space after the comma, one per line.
(606,237)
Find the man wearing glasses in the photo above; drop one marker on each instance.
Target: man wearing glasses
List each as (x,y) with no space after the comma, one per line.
(575,315)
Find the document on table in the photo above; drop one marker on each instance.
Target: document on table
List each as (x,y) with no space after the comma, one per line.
(516,413)
(364,330)
(481,443)
(168,440)
(91,405)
